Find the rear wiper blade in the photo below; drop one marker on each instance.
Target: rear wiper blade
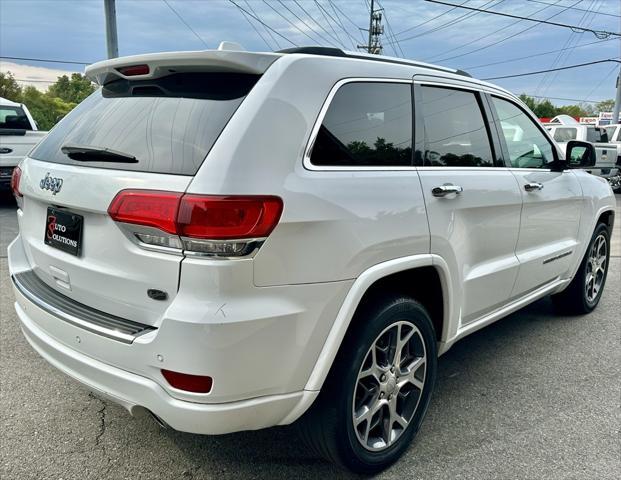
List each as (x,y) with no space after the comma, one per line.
(83,153)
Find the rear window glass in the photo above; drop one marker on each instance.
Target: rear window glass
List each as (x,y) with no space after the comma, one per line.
(597,135)
(168,124)
(367,124)
(13,118)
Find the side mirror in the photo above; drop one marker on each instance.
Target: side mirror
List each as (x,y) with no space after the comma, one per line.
(580,154)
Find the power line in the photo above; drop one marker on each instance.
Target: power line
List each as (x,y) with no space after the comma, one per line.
(515,59)
(263,23)
(290,22)
(306,24)
(431,19)
(391,34)
(356,27)
(185,23)
(571,42)
(340,23)
(257,30)
(574,8)
(454,21)
(486,35)
(567,67)
(604,78)
(497,42)
(329,23)
(336,39)
(266,29)
(597,33)
(46,60)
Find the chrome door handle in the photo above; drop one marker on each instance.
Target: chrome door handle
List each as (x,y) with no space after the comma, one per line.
(447,189)
(531,187)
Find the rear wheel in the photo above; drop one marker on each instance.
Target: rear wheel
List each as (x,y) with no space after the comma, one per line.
(585,290)
(377,393)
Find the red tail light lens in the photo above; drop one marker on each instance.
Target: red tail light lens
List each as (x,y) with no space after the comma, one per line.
(150,208)
(228,218)
(16,176)
(207,224)
(187,382)
(134,70)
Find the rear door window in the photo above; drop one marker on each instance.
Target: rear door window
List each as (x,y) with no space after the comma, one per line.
(168,124)
(564,135)
(456,134)
(367,124)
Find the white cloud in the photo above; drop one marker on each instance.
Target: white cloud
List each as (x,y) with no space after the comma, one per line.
(29,75)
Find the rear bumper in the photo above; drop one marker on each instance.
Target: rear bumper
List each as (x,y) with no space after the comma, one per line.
(260,352)
(134,391)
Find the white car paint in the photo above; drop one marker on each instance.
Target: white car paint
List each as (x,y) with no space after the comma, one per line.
(13,146)
(268,326)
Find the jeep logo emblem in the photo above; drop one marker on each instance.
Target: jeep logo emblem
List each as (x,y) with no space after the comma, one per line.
(54,184)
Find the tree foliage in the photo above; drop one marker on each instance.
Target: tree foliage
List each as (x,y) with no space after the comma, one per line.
(47,108)
(73,90)
(545,108)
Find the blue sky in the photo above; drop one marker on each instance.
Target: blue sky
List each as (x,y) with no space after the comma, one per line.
(75,30)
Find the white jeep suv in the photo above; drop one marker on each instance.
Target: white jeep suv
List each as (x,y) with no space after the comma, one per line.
(234,240)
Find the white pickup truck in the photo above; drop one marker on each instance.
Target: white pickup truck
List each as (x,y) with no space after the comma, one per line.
(18,134)
(606,152)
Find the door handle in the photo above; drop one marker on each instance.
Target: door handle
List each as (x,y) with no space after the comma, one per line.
(531,187)
(447,189)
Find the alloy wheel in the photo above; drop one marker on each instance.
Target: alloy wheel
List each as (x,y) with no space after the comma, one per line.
(596,268)
(389,386)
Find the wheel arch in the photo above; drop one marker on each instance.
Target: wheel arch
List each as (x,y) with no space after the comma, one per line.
(383,278)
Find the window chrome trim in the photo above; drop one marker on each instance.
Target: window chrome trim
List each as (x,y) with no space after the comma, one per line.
(308,165)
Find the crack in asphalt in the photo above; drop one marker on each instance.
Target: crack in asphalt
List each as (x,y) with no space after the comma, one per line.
(102,430)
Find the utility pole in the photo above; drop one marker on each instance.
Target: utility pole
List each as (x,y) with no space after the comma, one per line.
(112,42)
(615,110)
(375,30)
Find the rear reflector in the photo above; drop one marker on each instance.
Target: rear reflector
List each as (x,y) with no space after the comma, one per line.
(16,176)
(187,382)
(205,224)
(133,70)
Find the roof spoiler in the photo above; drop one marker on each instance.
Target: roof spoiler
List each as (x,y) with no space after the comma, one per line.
(156,65)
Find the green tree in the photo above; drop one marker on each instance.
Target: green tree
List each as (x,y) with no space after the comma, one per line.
(45,109)
(9,88)
(605,106)
(72,89)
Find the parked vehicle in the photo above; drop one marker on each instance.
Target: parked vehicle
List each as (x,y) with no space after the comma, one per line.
(614,136)
(606,151)
(200,240)
(18,134)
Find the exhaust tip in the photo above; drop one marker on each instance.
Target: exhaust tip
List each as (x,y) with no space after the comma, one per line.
(141,412)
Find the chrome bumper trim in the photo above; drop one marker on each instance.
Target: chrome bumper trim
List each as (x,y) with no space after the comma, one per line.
(75,313)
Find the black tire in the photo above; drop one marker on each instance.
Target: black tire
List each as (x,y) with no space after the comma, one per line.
(328,427)
(574,299)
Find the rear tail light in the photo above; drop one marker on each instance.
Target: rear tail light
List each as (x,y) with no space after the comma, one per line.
(187,382)
(16,176)
(202,224)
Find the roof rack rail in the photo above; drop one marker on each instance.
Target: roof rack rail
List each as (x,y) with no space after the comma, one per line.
(337,52)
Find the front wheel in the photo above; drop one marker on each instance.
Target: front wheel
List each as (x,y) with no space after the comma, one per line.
(377,393)
(585,290)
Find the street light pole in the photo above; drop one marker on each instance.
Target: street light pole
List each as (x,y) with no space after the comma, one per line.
(112,42)
(617,107)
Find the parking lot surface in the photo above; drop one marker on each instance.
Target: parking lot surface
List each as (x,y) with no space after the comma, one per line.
(536,395)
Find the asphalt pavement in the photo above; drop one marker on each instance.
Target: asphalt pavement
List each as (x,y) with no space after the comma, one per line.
(535,395)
